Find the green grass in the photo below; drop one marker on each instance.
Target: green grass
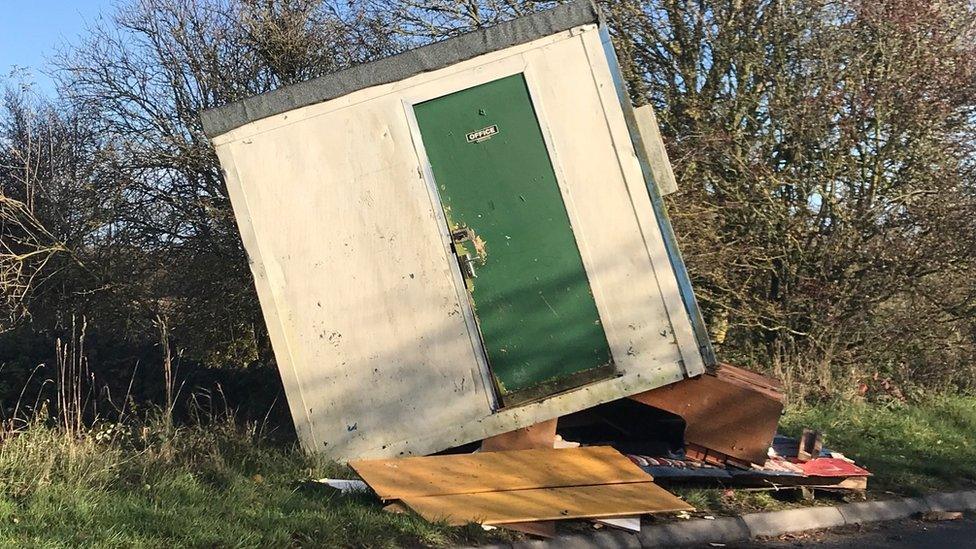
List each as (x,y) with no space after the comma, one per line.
(222,486)
(214,486)
(721,501)
(910,448)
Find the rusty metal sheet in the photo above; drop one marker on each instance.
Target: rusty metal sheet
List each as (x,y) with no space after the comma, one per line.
(733,412)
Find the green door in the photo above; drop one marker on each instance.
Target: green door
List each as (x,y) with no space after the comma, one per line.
(539,324)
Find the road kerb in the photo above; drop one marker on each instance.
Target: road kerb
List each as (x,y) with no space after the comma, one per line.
(952,501)
(722,530)
(877,511)
(738,529)
(792,520)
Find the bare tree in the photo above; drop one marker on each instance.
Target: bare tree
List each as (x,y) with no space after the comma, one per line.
(825,156)
(421,22)
(147,73)
(45,210)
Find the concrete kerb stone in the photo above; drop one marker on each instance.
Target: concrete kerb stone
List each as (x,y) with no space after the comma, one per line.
(739,529)
(723,530)
(793,520)
(877,511)
(952,501)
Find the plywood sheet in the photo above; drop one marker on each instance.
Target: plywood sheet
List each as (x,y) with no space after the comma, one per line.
(497,471)
(513,506)
(540,435)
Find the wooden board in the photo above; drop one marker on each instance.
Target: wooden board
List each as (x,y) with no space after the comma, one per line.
(540,435)
(512,506)
(497,471)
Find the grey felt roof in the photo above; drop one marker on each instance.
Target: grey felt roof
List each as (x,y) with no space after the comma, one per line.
(434,56)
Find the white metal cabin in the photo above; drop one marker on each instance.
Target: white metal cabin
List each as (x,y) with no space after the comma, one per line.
(460,240)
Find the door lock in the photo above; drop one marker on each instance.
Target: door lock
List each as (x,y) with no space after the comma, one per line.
(467,266)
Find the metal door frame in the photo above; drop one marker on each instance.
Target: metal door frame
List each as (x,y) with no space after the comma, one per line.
(479,76)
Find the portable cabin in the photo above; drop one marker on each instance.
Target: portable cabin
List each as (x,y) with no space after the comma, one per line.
(460,240)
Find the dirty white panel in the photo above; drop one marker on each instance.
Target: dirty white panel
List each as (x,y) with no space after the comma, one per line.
(617,260)
(670,291)
(361,285)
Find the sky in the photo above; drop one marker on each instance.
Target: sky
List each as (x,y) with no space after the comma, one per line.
(31,31)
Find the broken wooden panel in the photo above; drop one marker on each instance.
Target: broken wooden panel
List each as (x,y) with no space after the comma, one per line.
(513,506)
(539,528)
(656,154)
(540,435)
(811,443)
(820,473)
(732,411)
(711,457)
(497,471)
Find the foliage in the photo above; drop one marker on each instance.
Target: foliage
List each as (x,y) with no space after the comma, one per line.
(825,157)
(824,150)
(133,185)
(143,484)
(911,449)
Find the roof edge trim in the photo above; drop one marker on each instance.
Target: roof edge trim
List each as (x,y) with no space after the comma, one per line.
(438,55)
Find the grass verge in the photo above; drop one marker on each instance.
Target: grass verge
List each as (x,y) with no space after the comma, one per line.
(911,449)
(208,486)
(218,485)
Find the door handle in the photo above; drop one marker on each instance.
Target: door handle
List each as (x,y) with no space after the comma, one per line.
(467,266)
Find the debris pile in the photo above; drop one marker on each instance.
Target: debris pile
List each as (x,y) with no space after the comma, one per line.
(784,468)
(731,418)
(529,478)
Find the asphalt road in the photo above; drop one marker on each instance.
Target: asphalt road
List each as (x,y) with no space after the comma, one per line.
(952,534)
